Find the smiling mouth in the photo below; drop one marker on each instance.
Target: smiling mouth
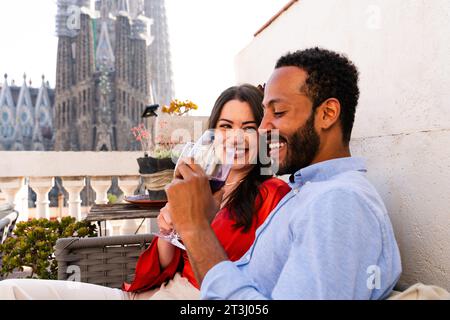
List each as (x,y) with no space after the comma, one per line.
(276,145)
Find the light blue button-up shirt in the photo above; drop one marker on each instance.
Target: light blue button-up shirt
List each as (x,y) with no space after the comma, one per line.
(329,238)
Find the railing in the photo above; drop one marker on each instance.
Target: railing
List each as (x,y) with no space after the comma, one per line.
(37,170)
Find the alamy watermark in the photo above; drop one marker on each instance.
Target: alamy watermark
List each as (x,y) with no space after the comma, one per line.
(73,22)
(73,17)
(74,278)
(247,147)
(374,277)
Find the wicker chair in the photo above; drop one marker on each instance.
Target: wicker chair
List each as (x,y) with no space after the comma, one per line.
(8,219)
(107,261)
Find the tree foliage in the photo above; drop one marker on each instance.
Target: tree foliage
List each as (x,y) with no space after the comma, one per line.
(33,245)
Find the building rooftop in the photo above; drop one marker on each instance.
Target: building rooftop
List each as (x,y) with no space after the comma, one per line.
(275,17)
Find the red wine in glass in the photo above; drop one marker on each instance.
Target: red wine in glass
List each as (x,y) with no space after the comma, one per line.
(216,184)
(208,155)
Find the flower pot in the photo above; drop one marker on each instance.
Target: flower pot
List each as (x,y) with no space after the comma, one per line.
(148,168)
(149,165)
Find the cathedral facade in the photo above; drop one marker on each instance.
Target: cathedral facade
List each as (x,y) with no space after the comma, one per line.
(104,73)
(26,116)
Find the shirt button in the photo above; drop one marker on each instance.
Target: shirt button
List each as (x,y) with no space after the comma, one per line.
(296,191)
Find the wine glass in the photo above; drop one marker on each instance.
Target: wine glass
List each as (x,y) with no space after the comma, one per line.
(215,158)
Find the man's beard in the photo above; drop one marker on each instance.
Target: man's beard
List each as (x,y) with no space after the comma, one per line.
(301,149)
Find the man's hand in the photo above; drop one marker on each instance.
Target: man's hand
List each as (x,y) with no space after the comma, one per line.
(191,203)
(193,207)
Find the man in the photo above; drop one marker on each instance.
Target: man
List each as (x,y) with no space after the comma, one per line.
(330,237)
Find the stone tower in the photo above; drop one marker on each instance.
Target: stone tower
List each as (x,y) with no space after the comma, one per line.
(159,52)
(102,86)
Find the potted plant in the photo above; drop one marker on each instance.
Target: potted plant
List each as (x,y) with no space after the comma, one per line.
(176,126)
(156,158)
(162,144)
(156,166)
(33,245)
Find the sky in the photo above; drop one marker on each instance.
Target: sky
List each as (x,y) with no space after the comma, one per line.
(205,37)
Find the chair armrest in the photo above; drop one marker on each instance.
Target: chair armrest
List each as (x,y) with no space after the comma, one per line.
(105,261)
(7,224)
(4,223)
(6,208)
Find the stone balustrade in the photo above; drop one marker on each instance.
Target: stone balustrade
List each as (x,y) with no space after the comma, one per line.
(38,170)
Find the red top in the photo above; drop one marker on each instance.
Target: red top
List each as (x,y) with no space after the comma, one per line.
(235,242)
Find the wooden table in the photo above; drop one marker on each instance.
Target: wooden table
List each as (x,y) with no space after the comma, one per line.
(100,213)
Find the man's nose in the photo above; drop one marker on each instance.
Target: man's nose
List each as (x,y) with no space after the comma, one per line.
(266,123)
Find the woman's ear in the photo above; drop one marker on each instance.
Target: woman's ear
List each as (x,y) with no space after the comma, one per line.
(328,113)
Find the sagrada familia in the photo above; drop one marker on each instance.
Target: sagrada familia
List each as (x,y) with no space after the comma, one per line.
(26,116)
(113,60)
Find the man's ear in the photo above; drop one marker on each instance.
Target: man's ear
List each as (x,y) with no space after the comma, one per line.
(328,113)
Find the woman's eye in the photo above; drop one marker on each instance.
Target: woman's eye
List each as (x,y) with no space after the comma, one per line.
(225,126)
(250,129)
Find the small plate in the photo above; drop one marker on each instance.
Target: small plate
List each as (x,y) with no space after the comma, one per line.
(144,201)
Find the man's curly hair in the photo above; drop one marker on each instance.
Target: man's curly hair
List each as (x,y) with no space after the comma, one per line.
(330,75)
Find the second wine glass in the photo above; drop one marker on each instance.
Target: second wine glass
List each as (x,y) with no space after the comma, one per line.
(211,153)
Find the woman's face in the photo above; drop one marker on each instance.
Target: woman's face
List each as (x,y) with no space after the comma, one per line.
(239,127)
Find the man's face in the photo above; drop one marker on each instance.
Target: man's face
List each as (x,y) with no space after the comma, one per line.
(289,111)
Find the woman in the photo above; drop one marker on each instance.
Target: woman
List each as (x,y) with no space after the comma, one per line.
(248,199)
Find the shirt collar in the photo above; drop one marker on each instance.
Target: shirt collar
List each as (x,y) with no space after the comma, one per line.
(325,170)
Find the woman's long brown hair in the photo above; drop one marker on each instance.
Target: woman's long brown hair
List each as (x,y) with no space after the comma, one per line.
(242,202)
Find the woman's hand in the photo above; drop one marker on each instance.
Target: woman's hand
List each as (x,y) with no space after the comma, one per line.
(193,207)
(166,250)
(192,204)
(164,221)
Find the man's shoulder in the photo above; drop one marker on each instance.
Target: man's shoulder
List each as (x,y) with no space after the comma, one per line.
(350,192)
(349,183)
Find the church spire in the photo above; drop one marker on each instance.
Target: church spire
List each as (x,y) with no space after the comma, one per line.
(159,51)
(43,118)
(43,99)
(104,10)
(25,119)
(123,7)
(24,101)
(5,94)
(104,53)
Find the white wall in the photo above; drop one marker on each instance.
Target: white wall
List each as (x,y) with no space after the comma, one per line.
(402,49)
